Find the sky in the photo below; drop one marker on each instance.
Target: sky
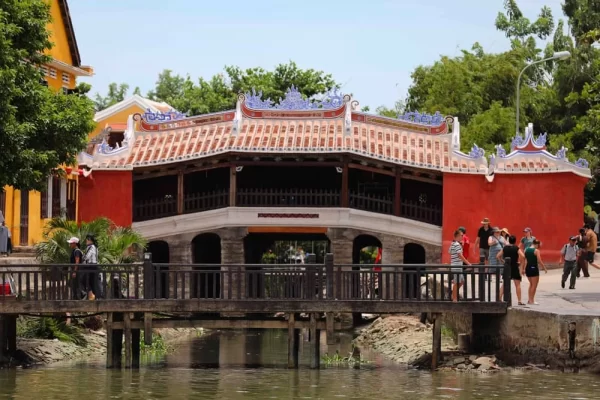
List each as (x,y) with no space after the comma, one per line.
(371,47)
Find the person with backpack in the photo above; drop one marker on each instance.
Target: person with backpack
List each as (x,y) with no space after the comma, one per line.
(568,259)
(517,258)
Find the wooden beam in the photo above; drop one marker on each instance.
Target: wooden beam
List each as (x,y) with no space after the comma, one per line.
(127,331)
(315,357)
(330,328)
(397,201)
(372,169)
(287,229)
(248,306)
(180,192)
(345,196)
(289,163)
(292,355)
(232,185)
(174,171)
(148,329)
(436,351)
(421,179)
(109,340)
(163,323)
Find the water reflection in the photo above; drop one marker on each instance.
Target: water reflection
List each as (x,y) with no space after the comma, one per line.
(252,365)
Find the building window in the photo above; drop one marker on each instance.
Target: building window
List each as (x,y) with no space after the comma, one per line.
(44,203)
(44,70)
(56,196)
(66,78)
(71,199)
(65,90)
(52,73)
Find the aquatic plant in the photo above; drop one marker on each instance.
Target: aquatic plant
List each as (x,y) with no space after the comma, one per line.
(158,345)
(353,359)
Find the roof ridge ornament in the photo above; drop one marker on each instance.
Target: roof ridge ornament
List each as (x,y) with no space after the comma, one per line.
(422,118)
(172,115)
(294,100)
(476,152)
(529,142)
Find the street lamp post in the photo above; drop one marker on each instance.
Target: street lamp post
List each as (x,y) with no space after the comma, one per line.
(559,55)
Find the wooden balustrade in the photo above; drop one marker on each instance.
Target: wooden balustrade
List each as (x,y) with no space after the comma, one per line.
(288,198)
(197,202)
(371,202)
(430,214)
(154,208)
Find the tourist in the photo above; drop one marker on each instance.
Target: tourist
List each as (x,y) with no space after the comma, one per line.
(582,259)
(4,239)
(592,244)
(504,236)
(512,251)
(91,277)
(76,259)
(532,271)
(481,243)
(527,240)
(495,243)
(457,260)
(568,258)
(466,243)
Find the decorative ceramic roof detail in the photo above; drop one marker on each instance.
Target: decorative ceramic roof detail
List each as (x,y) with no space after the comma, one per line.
(425,119)
(159,116)
(293,100)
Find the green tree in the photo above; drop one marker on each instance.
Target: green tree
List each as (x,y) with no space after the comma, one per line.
(116,245)
(116,93)
(39,129)
(220,92)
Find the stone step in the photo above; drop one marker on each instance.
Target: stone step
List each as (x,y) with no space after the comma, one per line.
(16,260)
(23,249)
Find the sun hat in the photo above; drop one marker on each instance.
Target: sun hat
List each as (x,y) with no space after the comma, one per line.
(527,230)
(73,240)
(495,229)
(573,238)
(485,221)
(505,230)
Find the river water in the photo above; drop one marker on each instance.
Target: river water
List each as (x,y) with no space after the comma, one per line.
(252,365)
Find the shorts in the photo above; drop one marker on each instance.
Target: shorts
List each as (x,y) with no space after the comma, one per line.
(484,254)
(589,256)
(458,276)
(515,273)
(532,271)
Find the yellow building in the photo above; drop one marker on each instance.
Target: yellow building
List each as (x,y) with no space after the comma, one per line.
(26,212)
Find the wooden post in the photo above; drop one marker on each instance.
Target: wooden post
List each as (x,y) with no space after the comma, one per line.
(149,277)
(232,185)
(11,334)
(109,341)
(329,324)
(436,351)
(117,342)
(315,357)
(293,338)
(180,192)
(127,331)
(397,202)
(507,282)
(135,348)
(3,339)
(329,276)
(345,196)
(148,329)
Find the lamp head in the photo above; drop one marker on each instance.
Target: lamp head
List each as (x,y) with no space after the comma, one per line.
(561,55)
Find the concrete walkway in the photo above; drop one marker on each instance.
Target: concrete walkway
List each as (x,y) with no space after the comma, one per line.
(583,300)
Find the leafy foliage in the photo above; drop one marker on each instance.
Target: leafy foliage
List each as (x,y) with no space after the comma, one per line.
(51,328)
(39,128)
(116,245)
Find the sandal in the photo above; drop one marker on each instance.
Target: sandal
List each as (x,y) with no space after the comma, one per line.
(521,304)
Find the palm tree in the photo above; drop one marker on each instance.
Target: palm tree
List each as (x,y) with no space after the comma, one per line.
(116,245)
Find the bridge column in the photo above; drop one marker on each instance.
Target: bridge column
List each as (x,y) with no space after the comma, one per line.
(315,342)
(180,252)
(293,341)
(232,259)
(391,254)
(436,351)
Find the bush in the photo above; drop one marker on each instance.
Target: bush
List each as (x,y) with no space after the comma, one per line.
(51,328)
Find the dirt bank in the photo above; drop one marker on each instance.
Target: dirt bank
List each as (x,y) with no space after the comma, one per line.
(404,339)
(48,351)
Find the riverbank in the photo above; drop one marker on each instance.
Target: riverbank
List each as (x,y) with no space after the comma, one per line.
(34,351)
(405,340)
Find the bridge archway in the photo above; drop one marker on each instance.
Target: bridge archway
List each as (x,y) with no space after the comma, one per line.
(413,254)
(161,255)
(366,250)
(206,249)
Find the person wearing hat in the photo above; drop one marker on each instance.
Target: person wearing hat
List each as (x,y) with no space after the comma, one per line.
(76,259)
(568,259)
(481,243)
(495,243)
(527,240)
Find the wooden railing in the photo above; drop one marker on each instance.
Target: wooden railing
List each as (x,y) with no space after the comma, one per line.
(371,202)
(430,214)
(288,198)
(154,208)
(307,282)
(197,202)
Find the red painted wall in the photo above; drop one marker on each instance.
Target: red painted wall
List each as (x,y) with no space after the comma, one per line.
(108,194)
(551,204)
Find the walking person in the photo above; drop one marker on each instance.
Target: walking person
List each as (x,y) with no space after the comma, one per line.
(532,270)
(481,243)
(76,260)
(517,258)
(568,259)
(592,244)
(582,259)
(92,271)
(4,239)
(527,240)
(495,243)
(457,260)
(466,243)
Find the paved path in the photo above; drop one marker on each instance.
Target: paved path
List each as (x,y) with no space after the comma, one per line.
(584,300)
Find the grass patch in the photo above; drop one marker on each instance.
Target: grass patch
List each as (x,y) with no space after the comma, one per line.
(50,328)
(158,345)
(338,360)
(447,332)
